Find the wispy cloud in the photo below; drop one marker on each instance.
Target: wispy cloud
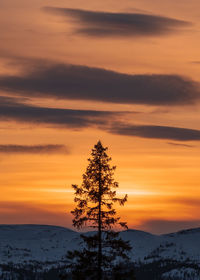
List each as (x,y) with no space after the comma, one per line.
(33,149)
(103,24)
(160,226)
(195,62)
(78,119)
(15,212)
(57,80)
(156,132)
(74,119)
(180,145)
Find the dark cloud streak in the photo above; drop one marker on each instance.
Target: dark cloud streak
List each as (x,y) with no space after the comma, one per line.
(156,132)
(180,145)
(63,81)
(74,119)
(104,24)
(33,149)
(78,119)
(168,226)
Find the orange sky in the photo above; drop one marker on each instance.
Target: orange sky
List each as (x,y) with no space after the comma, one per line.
(133,84)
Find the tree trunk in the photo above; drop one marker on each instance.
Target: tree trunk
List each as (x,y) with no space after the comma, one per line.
(100,230)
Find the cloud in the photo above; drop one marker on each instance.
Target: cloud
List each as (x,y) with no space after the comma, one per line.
(64,81)
(105,24)
(33,149)
(12,212)
(186,201)
(156,132)
(10,109)
(195,62)
(181,145)
(168,226)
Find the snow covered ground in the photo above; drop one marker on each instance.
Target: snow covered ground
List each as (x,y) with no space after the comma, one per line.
(183,273)
(42,243)
(30,243)
(48,245)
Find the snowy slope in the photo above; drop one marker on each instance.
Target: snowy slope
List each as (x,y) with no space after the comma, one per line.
(19,243)
(50,243)
(186,244)
(183,273)
(142,243)
(47,246)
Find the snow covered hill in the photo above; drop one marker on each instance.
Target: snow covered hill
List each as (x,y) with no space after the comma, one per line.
(22,245)
(183,245)
(29,243)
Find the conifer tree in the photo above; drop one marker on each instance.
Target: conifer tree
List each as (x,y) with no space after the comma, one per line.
(95,198)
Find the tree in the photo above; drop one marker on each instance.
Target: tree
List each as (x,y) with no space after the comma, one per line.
(103,249)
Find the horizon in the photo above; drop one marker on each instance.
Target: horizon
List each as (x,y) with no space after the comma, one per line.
(122,72)
(86,231)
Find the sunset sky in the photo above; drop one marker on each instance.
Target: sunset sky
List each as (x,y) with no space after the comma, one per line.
(125,72)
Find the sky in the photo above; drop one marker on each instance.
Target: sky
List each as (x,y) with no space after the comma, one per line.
(123,72)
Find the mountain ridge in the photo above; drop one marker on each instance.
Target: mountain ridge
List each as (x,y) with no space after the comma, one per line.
(46,246)
(187,230)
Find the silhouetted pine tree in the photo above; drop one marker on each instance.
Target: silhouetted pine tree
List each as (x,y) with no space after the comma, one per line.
(100,250)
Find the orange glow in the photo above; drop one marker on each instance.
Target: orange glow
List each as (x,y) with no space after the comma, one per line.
(161,176)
